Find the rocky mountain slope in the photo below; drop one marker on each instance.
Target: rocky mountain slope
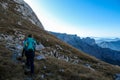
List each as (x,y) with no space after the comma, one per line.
(89,46)
(19,10)
(54,60)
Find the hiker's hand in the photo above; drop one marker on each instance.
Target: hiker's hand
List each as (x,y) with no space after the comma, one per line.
(23,52)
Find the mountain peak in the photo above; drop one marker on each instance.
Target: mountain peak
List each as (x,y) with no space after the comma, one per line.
(55,61)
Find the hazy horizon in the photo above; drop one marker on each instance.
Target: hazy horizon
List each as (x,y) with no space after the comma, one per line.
(86,18)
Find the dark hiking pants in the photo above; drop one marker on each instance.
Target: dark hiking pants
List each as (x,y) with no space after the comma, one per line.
(30,60)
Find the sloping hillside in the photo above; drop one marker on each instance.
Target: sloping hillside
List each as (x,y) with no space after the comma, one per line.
(62,62)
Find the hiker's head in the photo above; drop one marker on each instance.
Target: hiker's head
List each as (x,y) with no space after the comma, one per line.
(30,35)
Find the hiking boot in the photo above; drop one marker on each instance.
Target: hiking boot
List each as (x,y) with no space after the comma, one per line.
(27,68)
(33,76)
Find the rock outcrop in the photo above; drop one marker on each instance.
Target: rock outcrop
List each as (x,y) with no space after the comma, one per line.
(21,9)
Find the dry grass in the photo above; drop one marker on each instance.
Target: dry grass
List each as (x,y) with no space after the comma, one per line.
(12,71)
(71,72)
(8,69)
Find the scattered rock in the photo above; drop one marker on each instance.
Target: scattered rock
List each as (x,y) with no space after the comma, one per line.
(40,57)
(19,23)
(61,70)
(58,47)
(39,47)
(89,66)
(19,47)
(42,76)
(44,67)
(4,5)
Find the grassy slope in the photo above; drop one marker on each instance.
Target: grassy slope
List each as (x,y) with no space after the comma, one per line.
(12,71)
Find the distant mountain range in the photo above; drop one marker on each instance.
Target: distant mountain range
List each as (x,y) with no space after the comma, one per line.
(89,45)
(113,44)
(54,59)
(99,39)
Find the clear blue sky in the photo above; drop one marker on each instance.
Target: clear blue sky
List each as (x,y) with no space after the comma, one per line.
(98,18)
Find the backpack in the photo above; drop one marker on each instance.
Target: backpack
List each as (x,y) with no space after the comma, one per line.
(29,44)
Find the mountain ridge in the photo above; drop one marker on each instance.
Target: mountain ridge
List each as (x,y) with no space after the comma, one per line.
(62,61)
(88,45)
(114,45)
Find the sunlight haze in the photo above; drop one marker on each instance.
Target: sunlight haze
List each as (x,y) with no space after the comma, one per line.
(98,18)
